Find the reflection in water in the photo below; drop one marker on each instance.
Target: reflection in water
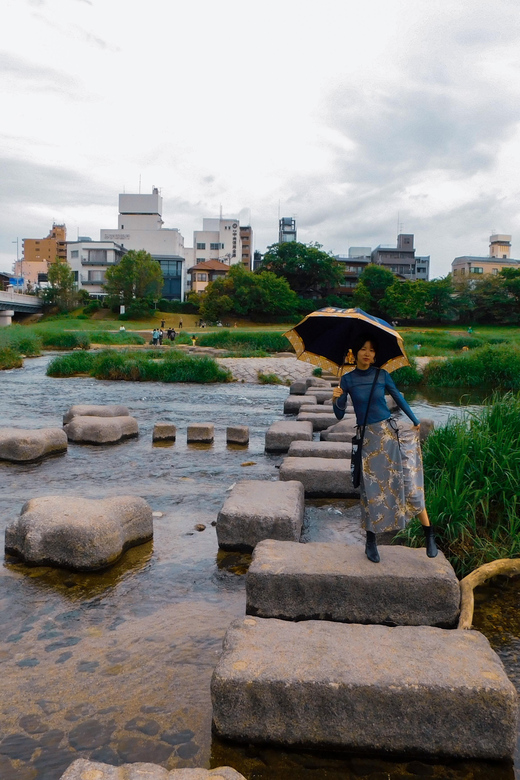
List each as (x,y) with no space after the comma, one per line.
(116,665)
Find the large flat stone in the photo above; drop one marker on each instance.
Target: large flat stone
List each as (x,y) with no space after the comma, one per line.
(203,433)
(330,581)
(22,446)
(320,449)
(315,409)
(259,509)
(405,690)
(82,769)
(320,422)
(279,435)
(321,477)
(91,410)
(298,388)
(293,403)
(78,533)
(101,430)
(320,394)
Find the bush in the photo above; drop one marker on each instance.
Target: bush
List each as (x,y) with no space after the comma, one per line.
(270,379)
(21,340)
(492,365)
(177,307)
(139,309)
(407,375)
(234,341)
(92,307)
(10,358)
(71,365)
(116,337)
(317,372)
(53,339)
(472,483)
(140,367)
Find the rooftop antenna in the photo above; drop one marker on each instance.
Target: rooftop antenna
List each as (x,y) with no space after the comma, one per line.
(278,209)
(139,184)
(221,211)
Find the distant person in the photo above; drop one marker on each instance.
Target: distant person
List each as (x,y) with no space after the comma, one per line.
(162,323)
(180,324)
(173,335)
(470,330)
(161,336)
(155,336)
(169,334)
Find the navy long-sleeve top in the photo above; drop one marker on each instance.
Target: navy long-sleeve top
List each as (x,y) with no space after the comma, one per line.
(357,384)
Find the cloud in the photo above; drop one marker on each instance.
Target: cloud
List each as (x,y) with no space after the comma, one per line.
(36,77)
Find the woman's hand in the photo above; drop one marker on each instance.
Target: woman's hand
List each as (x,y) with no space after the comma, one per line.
(337,393)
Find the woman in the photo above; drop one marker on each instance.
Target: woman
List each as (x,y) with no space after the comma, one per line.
(392,490)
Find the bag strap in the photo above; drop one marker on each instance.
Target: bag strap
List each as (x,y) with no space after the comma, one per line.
(368,404)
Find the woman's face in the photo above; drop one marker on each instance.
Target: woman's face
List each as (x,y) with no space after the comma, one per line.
(366,356)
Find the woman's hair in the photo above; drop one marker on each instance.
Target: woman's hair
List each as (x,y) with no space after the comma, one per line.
(361,340)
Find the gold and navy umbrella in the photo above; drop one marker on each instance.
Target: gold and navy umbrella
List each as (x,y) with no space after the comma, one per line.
(325,337)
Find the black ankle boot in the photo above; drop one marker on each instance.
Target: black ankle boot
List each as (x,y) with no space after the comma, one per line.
(431,547)
(371,548)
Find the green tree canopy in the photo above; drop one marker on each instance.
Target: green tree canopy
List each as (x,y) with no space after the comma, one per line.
(371,288)
(308,270)
(405,299)
(137,275)
(243,293)
(62,291)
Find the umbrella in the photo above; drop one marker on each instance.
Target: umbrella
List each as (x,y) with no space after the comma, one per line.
(325,337)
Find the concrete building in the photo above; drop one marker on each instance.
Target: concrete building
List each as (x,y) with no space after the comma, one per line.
(286,230)
(89,260)
(353,265)
(246,238)
(37,253)
(203,273)
(140,226)
(401,259)
(220,239)
(498,258)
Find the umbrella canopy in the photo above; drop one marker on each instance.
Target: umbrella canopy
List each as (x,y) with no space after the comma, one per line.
(324,338)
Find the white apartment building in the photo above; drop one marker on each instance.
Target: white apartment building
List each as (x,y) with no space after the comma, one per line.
(219,239)
(89,260)
(140,226)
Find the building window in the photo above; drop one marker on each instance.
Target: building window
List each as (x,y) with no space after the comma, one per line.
(216,246)
(74,253)
(201,259)
(97,255)
(201,246)
(495,271)
(202,277)
(476,270)
(96,276)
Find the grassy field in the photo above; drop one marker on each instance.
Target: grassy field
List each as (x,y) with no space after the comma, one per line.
(472,484)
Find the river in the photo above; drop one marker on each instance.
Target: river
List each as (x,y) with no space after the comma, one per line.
(116,665)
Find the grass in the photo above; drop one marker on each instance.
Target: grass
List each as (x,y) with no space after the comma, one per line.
(54,339)
(148,366)
(496,365)
(10,358)
(270,379)
(21,340)
(472,483)
(119,337)
(237,341)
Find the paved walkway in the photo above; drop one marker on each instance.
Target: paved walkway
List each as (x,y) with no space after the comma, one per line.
(246,369)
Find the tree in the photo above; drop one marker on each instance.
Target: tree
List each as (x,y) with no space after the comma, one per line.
(136,276)
(308,270)
(405,299)
(243,293)
(440,305)
(62,291)
(371,288)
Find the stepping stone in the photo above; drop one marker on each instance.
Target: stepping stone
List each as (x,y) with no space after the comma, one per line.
(321,477)
(316,381)
(330,581)
(78,533)
(259,509)
(82,769)
(23,445)
(90,410)
(280,435)
(298,388)
(293,403)
(321,395)
(320,449)
(101,430)
(237,434)
(404,690)
(203,433)
(316,409)
(164,431)
(343,430)
(320,422)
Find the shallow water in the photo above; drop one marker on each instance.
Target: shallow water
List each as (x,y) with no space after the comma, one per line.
(116,665)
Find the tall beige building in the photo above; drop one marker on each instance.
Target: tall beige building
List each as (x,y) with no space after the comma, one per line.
(499,257)
(37,250)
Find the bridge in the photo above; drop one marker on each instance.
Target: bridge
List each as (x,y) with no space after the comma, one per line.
(11,302)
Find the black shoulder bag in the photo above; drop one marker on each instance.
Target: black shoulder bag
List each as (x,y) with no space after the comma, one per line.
(357,442)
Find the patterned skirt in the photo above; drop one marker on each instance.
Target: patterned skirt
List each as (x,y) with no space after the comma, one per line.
(392,482)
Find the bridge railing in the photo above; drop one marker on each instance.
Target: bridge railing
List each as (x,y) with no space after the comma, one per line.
(19,298)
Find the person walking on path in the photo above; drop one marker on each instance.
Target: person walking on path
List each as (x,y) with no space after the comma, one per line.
(392,480)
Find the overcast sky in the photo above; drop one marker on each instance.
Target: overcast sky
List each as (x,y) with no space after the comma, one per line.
(354,117)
